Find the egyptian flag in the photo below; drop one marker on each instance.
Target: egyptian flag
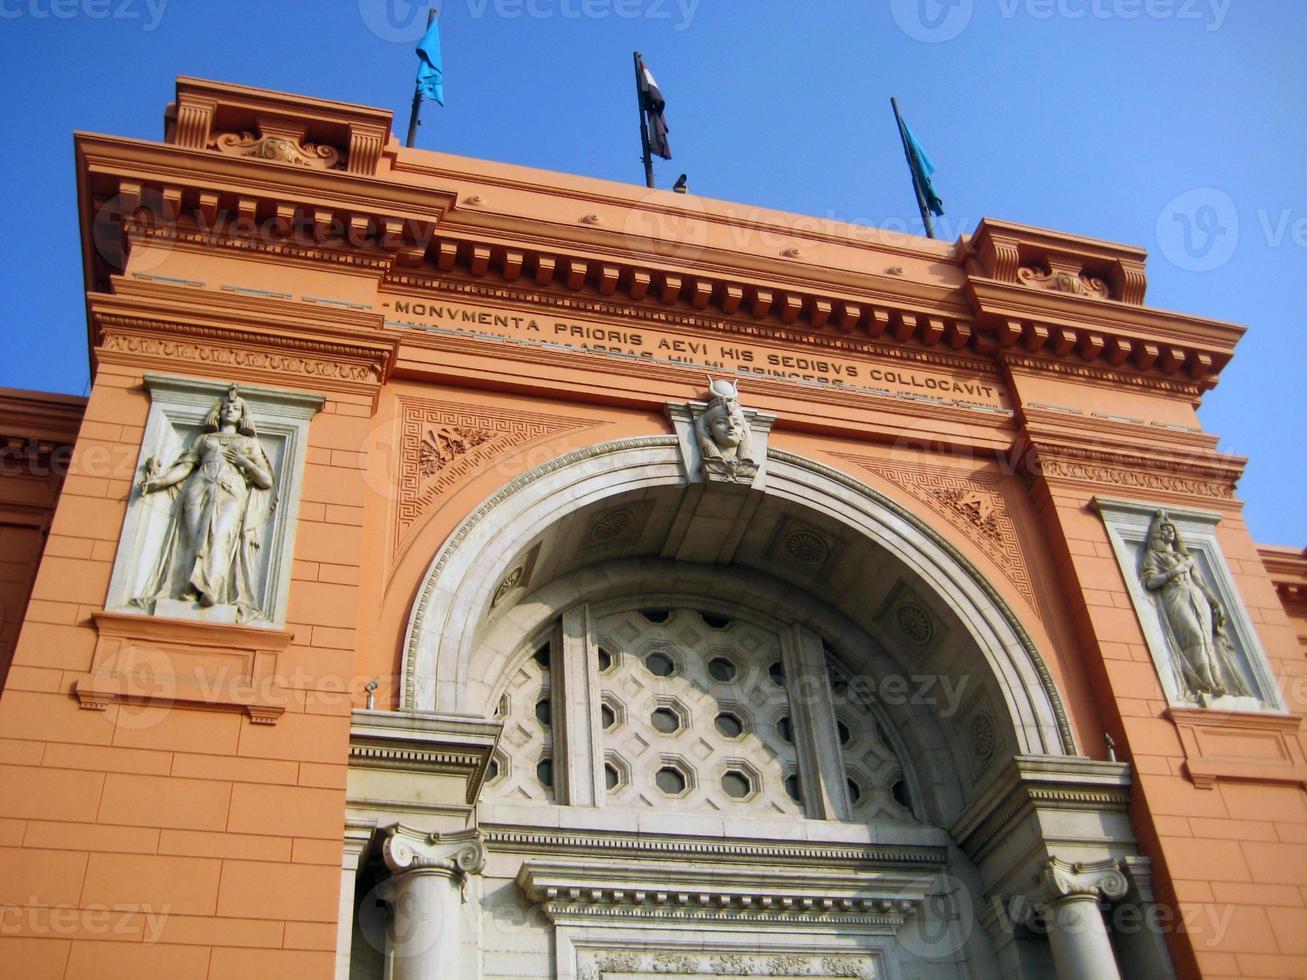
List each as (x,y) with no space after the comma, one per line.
(654,104)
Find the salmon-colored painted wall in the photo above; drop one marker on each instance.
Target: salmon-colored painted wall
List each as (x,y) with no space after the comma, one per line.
(141,838)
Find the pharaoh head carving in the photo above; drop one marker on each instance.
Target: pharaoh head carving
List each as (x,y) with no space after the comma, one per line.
(725,441)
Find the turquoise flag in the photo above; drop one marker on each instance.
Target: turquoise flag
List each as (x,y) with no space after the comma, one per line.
(923,169)
(431,67)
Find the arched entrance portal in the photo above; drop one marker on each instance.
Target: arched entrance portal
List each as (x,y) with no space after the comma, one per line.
(784,730)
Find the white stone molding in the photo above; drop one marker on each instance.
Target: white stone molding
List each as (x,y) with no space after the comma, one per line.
(358,834)
(178,409)
(821,768)
(442,670)
(394,756)
(578,739)
(1128,524)
(639,918)
(1050,836)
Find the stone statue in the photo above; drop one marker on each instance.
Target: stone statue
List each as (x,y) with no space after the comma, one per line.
(1205,661)
(209,554)
(725,441)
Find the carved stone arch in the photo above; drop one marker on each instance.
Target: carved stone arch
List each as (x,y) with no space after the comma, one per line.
(447,643)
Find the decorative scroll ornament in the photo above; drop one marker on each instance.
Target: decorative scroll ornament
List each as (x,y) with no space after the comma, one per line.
(223,496)
(282,148)
(1204,661)
(725,441)
(1062,281)
(460,853)
(1058,880)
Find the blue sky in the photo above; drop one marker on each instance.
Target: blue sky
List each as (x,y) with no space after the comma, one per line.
(1177,125)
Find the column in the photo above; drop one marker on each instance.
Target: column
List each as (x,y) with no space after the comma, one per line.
(578,745)
(816,735)
(425,894)
(1067,899)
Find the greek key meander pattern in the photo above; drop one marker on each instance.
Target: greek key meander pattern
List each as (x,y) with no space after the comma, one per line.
(973,505)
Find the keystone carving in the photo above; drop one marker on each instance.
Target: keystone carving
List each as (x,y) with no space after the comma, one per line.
(725,441)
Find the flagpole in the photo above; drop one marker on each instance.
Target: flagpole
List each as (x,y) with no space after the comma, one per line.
(916,184)
(413,121)
(644,123)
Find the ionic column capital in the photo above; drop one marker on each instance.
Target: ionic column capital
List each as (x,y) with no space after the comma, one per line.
(1058,880)
(459,854)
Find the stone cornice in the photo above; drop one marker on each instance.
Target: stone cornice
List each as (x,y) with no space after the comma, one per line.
(658,891)
(263,339)
(1128,340)
(1097,449)
(631,846)
(1008,289)
(422,742)
(39,421)
(1287,568)
(1033,783)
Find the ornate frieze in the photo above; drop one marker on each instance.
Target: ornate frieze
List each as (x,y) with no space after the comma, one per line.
(973,504)
(218,355)
(1064,281)
(441,443)
(725,966)
(570,892)
(281,146)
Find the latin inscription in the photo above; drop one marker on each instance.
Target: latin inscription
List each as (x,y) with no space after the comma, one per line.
(752,360)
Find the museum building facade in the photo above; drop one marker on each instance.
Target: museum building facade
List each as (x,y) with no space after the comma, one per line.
(467,571)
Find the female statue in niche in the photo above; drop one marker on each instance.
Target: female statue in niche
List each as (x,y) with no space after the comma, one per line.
(1192,617)
(725,442)
(210,551)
